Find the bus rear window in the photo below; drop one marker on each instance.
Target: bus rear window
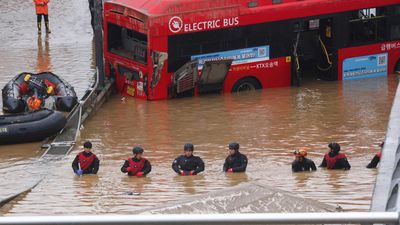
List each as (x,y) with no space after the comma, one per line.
(127,43)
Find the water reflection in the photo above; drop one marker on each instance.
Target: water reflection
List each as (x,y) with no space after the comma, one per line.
(135,185)
(236,178)
(43,54)
(190,183)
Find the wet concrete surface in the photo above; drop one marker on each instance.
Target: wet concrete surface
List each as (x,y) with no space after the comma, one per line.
(251,197)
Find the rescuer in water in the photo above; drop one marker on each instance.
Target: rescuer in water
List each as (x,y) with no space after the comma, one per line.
(137,165)
(301,163)
(377,158)
(335,160)
(236,161)
(42,9)
(188,164)
(86,162)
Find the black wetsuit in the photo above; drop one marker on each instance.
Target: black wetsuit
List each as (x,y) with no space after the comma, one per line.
(92,169)
(304,165)
(91,9)
(192,164)
(236,162)
(340,163)
(145,170)
(374,162)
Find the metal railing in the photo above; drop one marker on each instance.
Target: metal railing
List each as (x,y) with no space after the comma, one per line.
(386,191)
(197,219)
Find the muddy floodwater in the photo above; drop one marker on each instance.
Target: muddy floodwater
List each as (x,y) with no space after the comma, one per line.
(268,124)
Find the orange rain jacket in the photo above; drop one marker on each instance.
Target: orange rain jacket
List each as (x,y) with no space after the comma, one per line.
(41,6)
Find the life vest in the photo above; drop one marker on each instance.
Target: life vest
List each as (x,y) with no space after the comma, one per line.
(41,6)
(331,161)
(86,161)
(379,154)
(136,166)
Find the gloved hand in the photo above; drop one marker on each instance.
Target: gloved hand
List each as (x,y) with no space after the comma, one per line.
(139,174)
(182,173)
(191,173)
(230,170)
(79,172)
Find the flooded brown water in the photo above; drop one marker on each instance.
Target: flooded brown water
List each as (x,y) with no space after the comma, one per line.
(269,124)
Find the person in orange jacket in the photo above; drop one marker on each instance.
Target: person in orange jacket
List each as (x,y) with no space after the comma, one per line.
(42,9)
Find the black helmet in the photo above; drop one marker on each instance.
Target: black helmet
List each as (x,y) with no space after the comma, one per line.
(234,146)
(188,146)
(335,147)
(87,144)
(137,150)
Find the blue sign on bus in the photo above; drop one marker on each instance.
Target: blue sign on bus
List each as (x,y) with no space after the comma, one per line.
(239,56)
(365,66)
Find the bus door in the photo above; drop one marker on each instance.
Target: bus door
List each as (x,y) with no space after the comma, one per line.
(312,50)
(325,43)
(186,81)
(213,75)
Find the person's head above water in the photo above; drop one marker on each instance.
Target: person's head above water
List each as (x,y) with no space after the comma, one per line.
(233,148)
(138,152)
(334,147)
(87,146)
(300,154)
(188,149)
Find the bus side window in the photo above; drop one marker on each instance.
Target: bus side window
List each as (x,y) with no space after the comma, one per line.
(394,21)
(368,25)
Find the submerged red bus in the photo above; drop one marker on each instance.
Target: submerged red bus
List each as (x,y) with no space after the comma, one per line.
(164,49)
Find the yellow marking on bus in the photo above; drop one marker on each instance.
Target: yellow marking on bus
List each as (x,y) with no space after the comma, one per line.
(130,90)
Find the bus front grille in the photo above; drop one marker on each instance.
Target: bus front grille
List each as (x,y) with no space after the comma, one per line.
(185,83)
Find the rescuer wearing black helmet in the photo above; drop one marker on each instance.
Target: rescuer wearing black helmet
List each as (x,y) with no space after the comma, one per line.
(137,165)
(86,162)
(236,161)
(335,160)
(188,164)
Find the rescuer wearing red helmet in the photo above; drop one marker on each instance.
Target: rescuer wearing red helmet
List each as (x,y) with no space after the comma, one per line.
(335,160)
(188,164)
(86,162)
(377,158)
(301,163)
(236,161)
(137,165)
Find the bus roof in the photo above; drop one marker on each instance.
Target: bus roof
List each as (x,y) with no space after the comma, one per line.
(156,8)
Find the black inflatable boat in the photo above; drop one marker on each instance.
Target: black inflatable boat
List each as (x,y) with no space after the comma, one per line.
(16,92)
(29,127)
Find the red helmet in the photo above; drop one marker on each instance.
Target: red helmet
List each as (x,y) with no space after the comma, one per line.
(300,152)
(34,103)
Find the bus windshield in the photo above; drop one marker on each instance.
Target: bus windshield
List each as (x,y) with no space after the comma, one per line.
(127,43)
